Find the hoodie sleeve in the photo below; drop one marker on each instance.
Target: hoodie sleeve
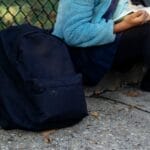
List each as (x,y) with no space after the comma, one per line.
(79,30)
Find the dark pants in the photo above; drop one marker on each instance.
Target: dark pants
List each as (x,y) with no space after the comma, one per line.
(134,47)
(93,62)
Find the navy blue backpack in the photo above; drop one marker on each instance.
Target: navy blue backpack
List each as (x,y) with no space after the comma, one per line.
(39,88)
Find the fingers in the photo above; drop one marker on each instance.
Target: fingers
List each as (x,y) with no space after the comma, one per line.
(138,13)
(148,18)
(145,16)
(141,16)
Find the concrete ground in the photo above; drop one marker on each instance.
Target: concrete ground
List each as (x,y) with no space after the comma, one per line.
(118,120)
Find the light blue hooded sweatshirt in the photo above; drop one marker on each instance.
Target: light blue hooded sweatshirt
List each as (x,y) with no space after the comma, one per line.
(80,23)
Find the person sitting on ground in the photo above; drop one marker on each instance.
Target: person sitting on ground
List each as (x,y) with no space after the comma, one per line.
(97,43)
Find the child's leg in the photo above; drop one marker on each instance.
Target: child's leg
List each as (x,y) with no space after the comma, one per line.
(134,47)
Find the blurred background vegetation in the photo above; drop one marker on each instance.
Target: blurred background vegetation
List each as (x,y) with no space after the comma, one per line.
(41,13)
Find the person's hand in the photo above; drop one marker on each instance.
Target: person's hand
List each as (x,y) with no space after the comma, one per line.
(132,20)
(137,18)
(148,18)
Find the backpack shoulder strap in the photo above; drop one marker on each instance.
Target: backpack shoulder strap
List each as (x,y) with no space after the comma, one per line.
(108,14)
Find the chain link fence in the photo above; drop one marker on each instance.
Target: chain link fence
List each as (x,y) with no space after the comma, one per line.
(41,13)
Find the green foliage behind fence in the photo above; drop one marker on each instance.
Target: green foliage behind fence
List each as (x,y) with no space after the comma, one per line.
(41,13)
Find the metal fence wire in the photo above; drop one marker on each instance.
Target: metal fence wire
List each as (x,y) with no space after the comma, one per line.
(41,13)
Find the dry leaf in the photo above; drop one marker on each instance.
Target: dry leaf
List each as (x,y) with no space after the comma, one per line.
(95,114)
(46,134)
(135,106)
(47,140)
(131,107)
(97,92)
(133,93)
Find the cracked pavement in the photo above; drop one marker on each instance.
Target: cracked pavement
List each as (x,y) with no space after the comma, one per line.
(117,120)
